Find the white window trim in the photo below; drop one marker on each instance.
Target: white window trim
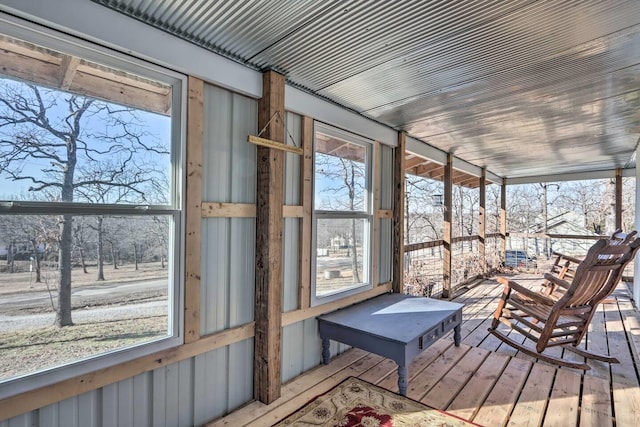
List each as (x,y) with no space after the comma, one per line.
(61,42)
(366,214)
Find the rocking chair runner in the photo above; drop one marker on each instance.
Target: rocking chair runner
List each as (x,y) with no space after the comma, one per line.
(563,321)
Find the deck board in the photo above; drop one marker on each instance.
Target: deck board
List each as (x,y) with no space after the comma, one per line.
(488,382)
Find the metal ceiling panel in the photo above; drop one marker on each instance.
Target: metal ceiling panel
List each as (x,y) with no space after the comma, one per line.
(523,88)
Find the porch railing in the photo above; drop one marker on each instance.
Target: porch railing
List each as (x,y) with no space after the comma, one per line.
(423,269)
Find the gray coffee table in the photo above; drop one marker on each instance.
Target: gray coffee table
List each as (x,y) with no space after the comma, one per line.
(396,326)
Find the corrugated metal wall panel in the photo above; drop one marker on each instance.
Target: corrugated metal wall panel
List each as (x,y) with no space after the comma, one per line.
(302,348)
(228,276)
(223,380)
(228,245)
(215,278)
(240,374)
(210,385)
(293,135)
(291,264)
(291,231)
(386,177)
(385,231)
(26,420)
(312,354)
(173,391)
(292,360)
(229,164)
(242,272)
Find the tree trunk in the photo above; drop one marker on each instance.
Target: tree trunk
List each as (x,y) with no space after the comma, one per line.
(135,255)
(100,250)
(83,261)
(114,257)
(36,257)
(63,315)
(10,256)
(354,253)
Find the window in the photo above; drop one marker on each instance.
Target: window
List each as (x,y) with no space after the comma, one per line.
(90,211)
(342,214)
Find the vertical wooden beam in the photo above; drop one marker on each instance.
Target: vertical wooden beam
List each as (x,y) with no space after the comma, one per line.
(193,209)
(398,215)
(306,199)
(503,218)
(482,223)
(447,229)
(269,219)
(68,68)
(618,207)
(375,258)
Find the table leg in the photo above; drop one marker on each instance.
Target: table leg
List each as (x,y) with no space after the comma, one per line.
(403,382)
(326,354)
(456,335)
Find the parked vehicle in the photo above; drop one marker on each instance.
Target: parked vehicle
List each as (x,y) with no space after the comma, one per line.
(519,259)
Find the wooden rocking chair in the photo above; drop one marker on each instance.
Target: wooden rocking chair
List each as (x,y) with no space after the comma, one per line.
(564,266)
(563,321)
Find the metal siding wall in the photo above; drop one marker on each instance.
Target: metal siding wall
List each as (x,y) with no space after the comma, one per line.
(228,244)
(302,348)
(292,360)
(386,177)
(223,381)
(291,231)
(229,161)
(214,283)
(291,264)
(292,161)
(312,354)
(384,260)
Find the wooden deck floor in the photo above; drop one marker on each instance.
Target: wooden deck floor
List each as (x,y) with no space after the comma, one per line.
(486,381)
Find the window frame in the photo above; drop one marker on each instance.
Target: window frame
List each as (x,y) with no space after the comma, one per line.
(174,208)
(367,214)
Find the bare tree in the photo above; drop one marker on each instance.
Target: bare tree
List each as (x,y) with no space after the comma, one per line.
(348,186)
(62,132)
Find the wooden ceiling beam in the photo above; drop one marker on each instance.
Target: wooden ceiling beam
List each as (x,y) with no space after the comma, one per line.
(34,64)
(414,161)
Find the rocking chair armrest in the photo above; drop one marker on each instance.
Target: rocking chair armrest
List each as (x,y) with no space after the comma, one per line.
(557,281)
(536,296)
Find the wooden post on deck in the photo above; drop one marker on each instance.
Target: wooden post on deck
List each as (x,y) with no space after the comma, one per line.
(398,215)
(619,199)
(447,233)
(269,219)
(482,227)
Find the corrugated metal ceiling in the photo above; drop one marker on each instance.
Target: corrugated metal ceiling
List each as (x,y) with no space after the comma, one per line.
(523,88)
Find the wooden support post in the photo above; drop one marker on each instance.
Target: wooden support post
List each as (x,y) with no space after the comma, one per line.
(269,219)
(375,238)
(306,200)
(193,209)
(619,199)
(503,218)
(482,223)
(447,229)
(398,215)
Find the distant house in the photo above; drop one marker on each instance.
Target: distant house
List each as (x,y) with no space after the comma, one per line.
(566,223)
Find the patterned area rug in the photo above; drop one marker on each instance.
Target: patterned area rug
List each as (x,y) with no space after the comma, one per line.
(357,403)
